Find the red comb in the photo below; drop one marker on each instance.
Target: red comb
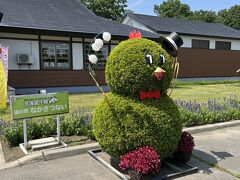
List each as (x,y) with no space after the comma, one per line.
(135,35)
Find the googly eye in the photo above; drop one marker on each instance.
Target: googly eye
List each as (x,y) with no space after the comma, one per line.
(148,59)
(162,59)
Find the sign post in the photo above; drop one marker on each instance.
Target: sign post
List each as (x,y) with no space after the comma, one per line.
(25,132)
(58,128)
(37,105)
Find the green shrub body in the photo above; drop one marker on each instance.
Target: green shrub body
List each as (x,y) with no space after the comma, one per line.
(127,72)
(122,122)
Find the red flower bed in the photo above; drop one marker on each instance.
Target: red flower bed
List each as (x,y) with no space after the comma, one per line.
(143,160)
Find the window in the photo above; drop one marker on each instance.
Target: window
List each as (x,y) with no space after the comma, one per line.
(221,45)
(55,55)
(200,44)
(101,55)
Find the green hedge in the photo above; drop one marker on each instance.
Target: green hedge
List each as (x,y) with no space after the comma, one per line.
(205,117)
(78,123)
(212,111)
(123,124)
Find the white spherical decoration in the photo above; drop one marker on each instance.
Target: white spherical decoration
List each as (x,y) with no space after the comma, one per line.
(106,36)
(95,47)
(93,58)
(99,42)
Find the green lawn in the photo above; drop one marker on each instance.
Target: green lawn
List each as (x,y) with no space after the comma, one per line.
(203,92)
(86,100)
(185,92)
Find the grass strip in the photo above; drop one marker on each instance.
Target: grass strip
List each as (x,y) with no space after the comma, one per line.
(217,166)
(181,83)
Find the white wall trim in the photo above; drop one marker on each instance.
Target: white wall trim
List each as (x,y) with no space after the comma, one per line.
(77,39)
(55,38)
(18,36)
(77,52)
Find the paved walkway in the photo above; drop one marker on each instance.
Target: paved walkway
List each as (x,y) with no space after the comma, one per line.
(206,173)
(220,147)
(81,167)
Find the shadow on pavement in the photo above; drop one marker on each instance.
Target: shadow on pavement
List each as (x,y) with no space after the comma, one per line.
(205,157)
(221,155)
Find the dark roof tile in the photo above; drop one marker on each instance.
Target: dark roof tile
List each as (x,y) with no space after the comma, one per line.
(60,15)
(163,24)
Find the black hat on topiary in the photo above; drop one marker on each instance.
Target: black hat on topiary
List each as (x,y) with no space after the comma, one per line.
(171,43)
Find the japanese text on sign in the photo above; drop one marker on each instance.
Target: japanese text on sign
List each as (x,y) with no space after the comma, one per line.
(39,105)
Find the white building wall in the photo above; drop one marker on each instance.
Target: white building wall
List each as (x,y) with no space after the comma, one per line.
(132,22)
(77,49)
(187,40)
(235,44)
(22,46)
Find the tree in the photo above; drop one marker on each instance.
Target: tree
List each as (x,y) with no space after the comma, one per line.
(231,17)
(221,15)
(206,16)
(173,8)
(110,9)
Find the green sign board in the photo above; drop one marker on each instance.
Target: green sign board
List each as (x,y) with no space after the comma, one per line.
(27,106)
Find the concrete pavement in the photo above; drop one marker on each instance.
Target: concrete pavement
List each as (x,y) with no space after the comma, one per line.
(206,173)
(81,167)
(220,147)
(84,167)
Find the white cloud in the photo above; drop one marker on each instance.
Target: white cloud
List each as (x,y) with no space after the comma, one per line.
(135,4)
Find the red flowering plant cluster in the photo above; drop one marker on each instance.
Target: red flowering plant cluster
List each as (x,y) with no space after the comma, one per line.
(143,160)
(186,143)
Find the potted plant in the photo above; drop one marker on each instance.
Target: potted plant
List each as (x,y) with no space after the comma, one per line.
(185,147)
(140,163)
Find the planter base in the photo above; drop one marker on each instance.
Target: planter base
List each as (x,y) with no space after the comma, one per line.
(182,157)
(170,168)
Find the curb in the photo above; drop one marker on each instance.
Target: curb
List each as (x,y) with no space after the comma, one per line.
(2,159)
(211,127)
(46,155)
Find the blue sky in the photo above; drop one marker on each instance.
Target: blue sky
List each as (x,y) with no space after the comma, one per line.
(146,6)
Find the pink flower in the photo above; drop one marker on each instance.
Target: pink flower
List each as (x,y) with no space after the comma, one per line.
(143,160)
